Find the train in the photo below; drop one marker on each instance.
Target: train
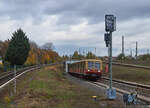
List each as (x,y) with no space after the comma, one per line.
(87,69)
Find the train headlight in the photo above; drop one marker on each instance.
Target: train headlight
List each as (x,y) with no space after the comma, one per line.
(88,70)
(98,70)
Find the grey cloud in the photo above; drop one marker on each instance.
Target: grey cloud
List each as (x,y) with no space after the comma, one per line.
(95,10)
(20,9)
(71,11)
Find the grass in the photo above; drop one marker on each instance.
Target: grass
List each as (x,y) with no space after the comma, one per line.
(135,62)
(131,74)
(48,88)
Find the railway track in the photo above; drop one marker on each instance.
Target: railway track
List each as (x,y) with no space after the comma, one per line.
(129,65)
(143,91)
(138,85)
(141,100)
(9,76)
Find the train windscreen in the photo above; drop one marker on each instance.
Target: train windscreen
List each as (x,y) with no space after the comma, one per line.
(97,65)
(92,65)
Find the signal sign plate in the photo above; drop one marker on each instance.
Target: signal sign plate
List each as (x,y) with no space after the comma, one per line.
(110,23)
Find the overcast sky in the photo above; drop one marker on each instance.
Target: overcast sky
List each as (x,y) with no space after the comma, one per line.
(74,24)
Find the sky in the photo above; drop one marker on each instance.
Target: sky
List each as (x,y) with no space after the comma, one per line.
(78,24)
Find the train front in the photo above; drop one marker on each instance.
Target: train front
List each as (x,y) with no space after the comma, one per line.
(93,69)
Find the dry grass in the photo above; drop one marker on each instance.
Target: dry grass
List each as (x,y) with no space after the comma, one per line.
(135,62)
(131,74)
(47,88)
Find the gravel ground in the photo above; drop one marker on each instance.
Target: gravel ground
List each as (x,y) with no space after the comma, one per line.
(102,92)
(128,88)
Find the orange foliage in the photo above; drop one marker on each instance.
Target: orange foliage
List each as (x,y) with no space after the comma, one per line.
(45,57)
(31,60)
(41,56)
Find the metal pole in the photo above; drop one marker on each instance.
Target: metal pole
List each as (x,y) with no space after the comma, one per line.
(95,52)
(110,24)
(123,45)
(136,50)
(147,51)
(15,79)
(110,61)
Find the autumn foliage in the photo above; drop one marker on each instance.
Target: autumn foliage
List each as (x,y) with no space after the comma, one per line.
(40,55)
(31,60)
(37,55)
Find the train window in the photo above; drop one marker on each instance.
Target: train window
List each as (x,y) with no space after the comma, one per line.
(90,65)
(82,65)
(97,65)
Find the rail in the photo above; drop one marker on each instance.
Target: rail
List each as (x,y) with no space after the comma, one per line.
(10,76)
(130,83)
(129,65)
(121,91)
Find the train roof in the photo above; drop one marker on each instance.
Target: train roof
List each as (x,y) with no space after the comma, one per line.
(90,60)
(76,61)
(72,61)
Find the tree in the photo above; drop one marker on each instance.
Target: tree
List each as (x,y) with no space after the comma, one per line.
(90,55)
(31,60)
(48,46)
(144,57)
(121,56)
(65,57)
(3,48)
(34,55)
(80,57)
(18,48)
(75,55)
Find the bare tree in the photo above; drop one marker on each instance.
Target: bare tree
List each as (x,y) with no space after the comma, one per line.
(33,45)
(48,46)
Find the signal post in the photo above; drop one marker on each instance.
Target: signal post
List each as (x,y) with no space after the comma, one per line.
(110,26)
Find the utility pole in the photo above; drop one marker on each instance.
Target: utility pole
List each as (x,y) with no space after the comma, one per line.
(95,52)
(130,52)
(122,45)
(147,51)
(136,53)
(79,51)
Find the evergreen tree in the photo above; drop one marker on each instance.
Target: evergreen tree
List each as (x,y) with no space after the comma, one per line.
(18,48)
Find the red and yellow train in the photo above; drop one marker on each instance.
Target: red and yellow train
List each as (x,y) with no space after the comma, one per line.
(89,68)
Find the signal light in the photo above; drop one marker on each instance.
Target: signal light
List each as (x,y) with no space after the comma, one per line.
(107,39)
